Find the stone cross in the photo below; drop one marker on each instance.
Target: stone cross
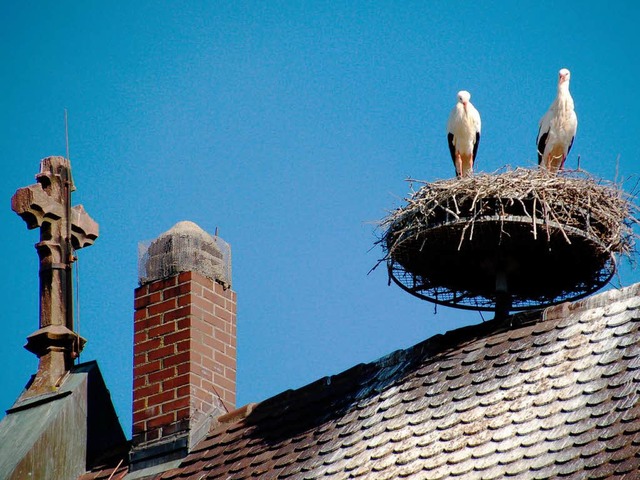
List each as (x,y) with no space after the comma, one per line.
(63,229)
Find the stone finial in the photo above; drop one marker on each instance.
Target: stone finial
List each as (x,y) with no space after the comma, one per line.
(63,229)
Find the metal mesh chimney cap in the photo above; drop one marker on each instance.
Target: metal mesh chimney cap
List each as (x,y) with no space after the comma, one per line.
(183,248)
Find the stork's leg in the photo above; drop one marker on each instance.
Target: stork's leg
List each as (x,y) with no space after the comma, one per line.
(467,165)
(458,165)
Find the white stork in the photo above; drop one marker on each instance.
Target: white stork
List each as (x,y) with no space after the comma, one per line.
(463,134)
(558,127)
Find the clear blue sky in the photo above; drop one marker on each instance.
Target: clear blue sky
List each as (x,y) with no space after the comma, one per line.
(291,127)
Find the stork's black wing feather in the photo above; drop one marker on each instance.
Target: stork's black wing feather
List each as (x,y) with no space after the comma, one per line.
(475,148)
(452,148)
(542,142)
(570,145)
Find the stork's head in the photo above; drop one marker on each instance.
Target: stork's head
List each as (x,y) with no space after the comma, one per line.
(564,76)
(464,97)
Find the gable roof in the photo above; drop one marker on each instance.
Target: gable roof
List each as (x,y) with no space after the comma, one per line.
(62,433)
(556,395)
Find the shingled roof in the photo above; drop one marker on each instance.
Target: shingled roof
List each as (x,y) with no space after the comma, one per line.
(552,395)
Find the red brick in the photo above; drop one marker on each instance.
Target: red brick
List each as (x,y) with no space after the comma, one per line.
(215,344)
(140,359)
(197,363)
(184,323)
(151,434)
(147,300)
(146,368)
(176,359)
(231,351)
(170,293)
(231,307)
(193,287)
(223,314)
(225,360)
(162,284)
(139,382)
(177,291)
(147,323)
(183,367)
(176,314)
(162,375)
(182,414)
(184,277)
(175,405)
(202,303)
(161,330)
(223,337)
(199,325)
(161,420)
(207,367)
(212,321)
(230,399)
(206,386)
(162,352)
(149,345)
(230,373)
(203,350)
(140,337)
(162,307)
(219,289)
(185,300)
(140,291)
(224,382)
(139,419)
(176,337)
(145,392)
(140,324)
(162,397)
(201,279)
(139,404)
(138,428)
(214,298)
(175,382)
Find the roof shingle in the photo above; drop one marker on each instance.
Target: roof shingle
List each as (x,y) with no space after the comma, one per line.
(557,395)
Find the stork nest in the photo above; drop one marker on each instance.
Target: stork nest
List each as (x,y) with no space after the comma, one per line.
(554,236)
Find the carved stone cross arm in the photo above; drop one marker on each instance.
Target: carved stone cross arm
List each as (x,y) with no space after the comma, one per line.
(84,230)
(35,207)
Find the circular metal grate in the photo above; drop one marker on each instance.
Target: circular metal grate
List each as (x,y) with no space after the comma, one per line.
(456,262)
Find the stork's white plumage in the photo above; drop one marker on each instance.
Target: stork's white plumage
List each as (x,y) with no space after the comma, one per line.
(463,134)
(557,127)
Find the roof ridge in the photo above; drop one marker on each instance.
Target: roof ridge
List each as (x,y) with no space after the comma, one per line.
(601,299)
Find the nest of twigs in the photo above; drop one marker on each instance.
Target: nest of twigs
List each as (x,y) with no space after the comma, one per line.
(553,237)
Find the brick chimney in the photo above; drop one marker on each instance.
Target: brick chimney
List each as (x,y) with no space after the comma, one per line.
(184,372)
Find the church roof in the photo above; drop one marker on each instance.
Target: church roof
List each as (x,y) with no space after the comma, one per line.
(554,395)
(76,422)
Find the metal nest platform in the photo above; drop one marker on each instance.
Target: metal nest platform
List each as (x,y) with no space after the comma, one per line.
(512,241)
